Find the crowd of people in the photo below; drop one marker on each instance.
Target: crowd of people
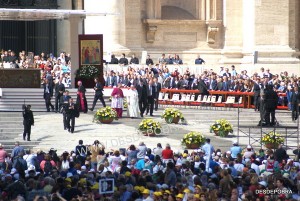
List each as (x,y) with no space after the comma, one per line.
(57,67)
(141,173)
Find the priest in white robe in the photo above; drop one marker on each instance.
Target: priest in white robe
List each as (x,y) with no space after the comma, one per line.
(133,102)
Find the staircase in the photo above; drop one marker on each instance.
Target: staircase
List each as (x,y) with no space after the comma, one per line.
(12,98)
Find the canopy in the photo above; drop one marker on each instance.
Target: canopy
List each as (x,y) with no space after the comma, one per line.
(44,14)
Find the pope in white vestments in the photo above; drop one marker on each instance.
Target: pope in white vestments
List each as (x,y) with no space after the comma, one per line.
(133,102)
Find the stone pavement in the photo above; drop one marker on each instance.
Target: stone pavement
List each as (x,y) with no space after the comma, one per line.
(48,130)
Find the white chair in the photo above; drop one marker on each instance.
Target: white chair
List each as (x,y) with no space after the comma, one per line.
(188,97)
(192,98)
(160,96)
(240,100)
(199,98)
(0,93)
(166,97)
(175,97)
(204,100)
(183,97)
(219,99)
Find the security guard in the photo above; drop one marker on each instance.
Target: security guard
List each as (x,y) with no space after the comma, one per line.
(64,102)
(28,121)
(71,114)
(270,105)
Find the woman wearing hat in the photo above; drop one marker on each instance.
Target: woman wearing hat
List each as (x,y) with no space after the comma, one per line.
(179,197)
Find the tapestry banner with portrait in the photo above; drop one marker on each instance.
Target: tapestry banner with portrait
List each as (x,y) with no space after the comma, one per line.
(90,57)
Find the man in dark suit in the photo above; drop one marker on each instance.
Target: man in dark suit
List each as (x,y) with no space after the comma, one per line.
(48,93)
(143,95)
(28,121)
(295,102)
(219,84)
(202,87)
(110,81)
(71,113)
(123,61)
(151,95)
(59,90)
(157,89)
(227,74)
(118,79)
(134,60)
(98,94)
(212,83)
(257,90)
(270,104)
(226,84)
(172,83)
(64,102)
(114,60)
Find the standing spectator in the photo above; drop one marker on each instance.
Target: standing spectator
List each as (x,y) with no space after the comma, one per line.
(142,150)
(123,60)
(98,94)
(95,150)
(177,60)
(170,176)
(114,60)
(3,155)
(202,87)
(131,153)
(157,89)
(158,150)
(117,100)
(235,150)
(110,81)
(233,71)
(81,152)
(64,102)
(151,95)
(149,61)
(227,74)
(280,154)
(48,93)
(16,150)
(59,90)
(295,103)
(134,60)
(199,60)
(28,121)
(167,154)
(162,59)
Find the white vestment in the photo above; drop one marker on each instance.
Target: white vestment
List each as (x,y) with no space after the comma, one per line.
(133,103)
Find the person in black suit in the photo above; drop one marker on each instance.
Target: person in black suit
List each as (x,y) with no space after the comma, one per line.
(257,89)
(270,104)
(64,102)
(151,95)
(59,90)
(202,87)
(48,93)
(123,61)
(219,84)
(157,89)
(110,81)
(134,60)
(227,74)
(226,84)
(149,61)
(295,102)
(98,94)
(212,83)
(172,84)
(113,60)
(28,121)
(143,95)
(71,113)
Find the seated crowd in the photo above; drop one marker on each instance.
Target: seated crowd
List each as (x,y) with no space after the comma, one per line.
(142,173)
(48,64)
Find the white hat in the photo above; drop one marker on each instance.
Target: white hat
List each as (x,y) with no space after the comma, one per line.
(146,157)
(69,175)
(92,170)
(263,183)
(286,175)
(219,154)
(249,147)
(257,159)
(83,167)
(235,142)
(264,162)
(289,160)
(228,152)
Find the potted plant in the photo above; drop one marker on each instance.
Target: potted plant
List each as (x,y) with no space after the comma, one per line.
(149,127)
(221,128)
(172,115)
(193,140)
(271,140)
(105,115)
(87,74)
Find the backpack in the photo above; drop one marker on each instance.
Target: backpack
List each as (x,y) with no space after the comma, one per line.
(270,166)
(48,167)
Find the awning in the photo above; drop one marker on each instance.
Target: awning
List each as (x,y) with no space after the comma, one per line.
(44,14)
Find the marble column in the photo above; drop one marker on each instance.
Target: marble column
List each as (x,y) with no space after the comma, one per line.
(202,10)
(157,9)
(207,9)
(63,31)
(74,45)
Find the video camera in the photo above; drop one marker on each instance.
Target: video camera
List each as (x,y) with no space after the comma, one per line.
(26,107)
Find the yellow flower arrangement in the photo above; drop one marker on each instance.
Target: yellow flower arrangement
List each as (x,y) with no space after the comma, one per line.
(193,138)
(150,126)
(273,138)
(222,126)
(105,113)
(170,113)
